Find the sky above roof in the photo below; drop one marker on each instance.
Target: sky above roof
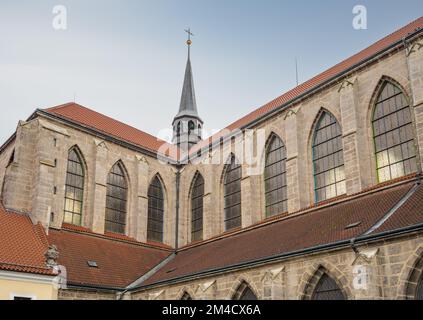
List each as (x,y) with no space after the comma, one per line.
(127,59)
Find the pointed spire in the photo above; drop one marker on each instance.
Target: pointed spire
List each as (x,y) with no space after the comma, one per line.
(188,105)
(187,125)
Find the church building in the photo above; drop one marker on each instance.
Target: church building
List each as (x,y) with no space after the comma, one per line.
(331,208)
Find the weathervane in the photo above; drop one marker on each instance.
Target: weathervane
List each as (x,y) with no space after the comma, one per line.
(189,41)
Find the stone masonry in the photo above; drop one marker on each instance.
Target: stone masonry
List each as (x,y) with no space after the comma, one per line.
(33,182)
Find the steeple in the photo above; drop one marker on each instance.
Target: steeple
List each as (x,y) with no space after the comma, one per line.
(188,105)
(187,125)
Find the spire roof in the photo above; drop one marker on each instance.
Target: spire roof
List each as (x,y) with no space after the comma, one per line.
(188,105)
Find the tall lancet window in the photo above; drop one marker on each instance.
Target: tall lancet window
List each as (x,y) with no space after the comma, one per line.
(327,289)
(328,158)
(197,208)
(155,211)
(116,200)
(232,194)
(393,134)
(244,292)
(74,190)
(419,295)
(275,177)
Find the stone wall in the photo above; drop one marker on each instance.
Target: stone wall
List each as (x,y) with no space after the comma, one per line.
(5,161)
(387,268)
(80,294)
(351,101)
(19,176)
(35,183)
(41,157)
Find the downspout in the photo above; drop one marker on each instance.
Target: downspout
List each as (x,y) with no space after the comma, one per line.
(177,182)
(120,295)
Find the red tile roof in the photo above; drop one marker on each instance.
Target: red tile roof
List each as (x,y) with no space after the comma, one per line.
(321,226)
(316,81)
(22,244)
(119,262)
(122,261)
(109,126)
(409,214)
(113,236)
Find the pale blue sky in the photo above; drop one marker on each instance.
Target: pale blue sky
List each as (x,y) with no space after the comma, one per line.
(126,59)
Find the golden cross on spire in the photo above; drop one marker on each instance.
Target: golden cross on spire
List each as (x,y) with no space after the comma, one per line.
(189,42)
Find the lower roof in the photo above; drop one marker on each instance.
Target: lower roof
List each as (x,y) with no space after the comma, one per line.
(119,261)
(22,244)
(338,222)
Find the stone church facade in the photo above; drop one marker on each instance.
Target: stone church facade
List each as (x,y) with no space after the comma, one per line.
(332,208)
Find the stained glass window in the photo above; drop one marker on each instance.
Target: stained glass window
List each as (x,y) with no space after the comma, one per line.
(244,292)
(116,200)
(419,295)
(155,211)
(186,297)
(393,134)
(232,194)
(197,208)
(74,189)
(275,178)
(328,159)
(327,289)
(248,295)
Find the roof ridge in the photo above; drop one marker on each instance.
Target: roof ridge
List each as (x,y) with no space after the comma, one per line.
(61,106)
(309,84)
(110,236)
(27,269)
(302,212)
(40,232)
(70,104)
(24,265)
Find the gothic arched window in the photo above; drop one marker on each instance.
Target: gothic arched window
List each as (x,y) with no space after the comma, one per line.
(191,127)
(248,295)
(232,194)
(414,285)
(419,295)
(197,208)
(327,289)
(186,296)
(393,134)
(328,158)
(74,189)
(245,293)
(155,211)
(275,178)
(116,200)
